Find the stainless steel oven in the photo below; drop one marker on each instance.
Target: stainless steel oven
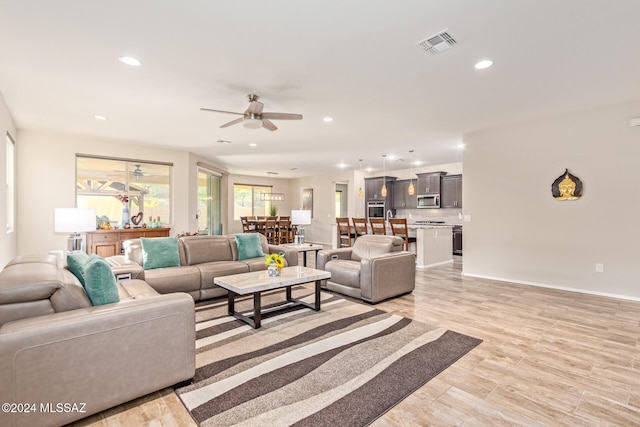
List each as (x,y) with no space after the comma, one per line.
(376,209)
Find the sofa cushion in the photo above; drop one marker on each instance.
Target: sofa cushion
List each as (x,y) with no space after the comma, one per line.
(345,272)
(201,249)
(249,245)
(100,283)
(160,252)
(76,261)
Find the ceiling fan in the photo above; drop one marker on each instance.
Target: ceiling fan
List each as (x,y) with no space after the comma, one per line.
(254,118)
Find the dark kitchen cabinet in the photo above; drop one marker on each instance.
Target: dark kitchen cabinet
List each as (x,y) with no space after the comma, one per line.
(373,189)
(457,240)
(401,197)
(429,183)
(451,191)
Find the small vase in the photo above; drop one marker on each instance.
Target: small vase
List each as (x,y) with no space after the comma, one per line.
(273,271)
(125,216)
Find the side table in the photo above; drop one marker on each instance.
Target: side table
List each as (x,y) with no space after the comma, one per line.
(304,248)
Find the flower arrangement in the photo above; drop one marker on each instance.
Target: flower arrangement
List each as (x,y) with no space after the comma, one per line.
(277,259)
(124,198)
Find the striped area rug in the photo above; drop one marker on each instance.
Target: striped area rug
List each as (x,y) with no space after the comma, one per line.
(345,365)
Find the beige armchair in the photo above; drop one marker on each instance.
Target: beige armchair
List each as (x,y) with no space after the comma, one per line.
(374,269)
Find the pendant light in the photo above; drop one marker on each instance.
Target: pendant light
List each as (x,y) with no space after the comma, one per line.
(360,192)
(383,192)
(411,190)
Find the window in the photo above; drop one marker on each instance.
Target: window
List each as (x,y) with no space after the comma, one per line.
(109,184)
(246,200)
(11,184)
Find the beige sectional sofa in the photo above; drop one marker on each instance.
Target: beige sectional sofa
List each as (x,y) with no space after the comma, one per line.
(62,359)
(201,259)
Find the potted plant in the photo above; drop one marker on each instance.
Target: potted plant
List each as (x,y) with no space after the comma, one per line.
(273,210)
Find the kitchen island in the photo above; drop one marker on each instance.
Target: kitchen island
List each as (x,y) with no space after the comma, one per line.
(434,244)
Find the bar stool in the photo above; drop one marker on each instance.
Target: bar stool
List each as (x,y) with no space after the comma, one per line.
(399,228)
(360,226)
(344,232)
(378,226)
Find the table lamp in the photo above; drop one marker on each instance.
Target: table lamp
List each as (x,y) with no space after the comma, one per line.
(300,218)
(74,221)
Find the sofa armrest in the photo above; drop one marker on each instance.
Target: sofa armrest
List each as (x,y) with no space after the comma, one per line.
(324,256)
(97,357)
(387,275)
(290,254)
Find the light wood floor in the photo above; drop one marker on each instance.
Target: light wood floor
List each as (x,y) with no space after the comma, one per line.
(549,358)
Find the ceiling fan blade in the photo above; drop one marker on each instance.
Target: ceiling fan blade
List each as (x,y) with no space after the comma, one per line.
(222,111)
(232,122)
(282,116)
(255,107)
(268,125)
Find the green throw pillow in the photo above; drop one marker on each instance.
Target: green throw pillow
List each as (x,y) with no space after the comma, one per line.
(249,245)
(159,252)
(76,261)
(100,283)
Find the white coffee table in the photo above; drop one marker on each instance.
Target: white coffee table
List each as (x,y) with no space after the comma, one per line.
(257,282)
(304,248)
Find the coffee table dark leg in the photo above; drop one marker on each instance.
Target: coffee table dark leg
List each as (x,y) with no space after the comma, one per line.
(304,258)
(288,293)
(317,307)
(256,310)
(231,299)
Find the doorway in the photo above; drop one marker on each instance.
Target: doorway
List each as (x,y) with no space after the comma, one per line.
(341,200)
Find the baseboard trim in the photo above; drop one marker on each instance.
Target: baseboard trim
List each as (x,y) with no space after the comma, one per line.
(422,267)
(560,288)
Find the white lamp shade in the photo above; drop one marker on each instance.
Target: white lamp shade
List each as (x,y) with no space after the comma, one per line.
(300,217)
(74,220)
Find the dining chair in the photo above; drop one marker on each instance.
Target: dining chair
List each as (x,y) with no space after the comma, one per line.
(284,230)
(271,230)
(378,226)
(246,225)
(359,226)
(399,228)
(344,232)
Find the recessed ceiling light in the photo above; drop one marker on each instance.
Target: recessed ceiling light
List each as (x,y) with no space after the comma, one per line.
(98,117)
(223,141)
(327,119)
(460,146)
(253,144)
(486,63)
(130,60)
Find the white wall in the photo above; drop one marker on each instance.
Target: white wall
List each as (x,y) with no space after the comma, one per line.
(47,175)
(519,232)
(8,241)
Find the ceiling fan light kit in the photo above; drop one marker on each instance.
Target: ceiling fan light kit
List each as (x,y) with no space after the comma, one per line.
(252,123)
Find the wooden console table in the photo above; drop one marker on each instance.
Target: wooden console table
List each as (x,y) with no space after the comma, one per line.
(108,243)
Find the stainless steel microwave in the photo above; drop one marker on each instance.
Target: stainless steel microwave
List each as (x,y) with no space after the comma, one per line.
(429,201)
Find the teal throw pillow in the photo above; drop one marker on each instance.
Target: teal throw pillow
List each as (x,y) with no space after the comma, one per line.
(249,245)
(159,252)
(100,283)
(76,261)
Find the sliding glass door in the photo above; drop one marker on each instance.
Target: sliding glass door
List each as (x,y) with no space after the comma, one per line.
(209,202)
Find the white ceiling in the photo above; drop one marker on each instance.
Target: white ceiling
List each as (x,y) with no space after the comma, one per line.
(355,61)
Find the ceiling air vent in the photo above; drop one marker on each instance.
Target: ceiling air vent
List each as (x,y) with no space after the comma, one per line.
(437,42)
